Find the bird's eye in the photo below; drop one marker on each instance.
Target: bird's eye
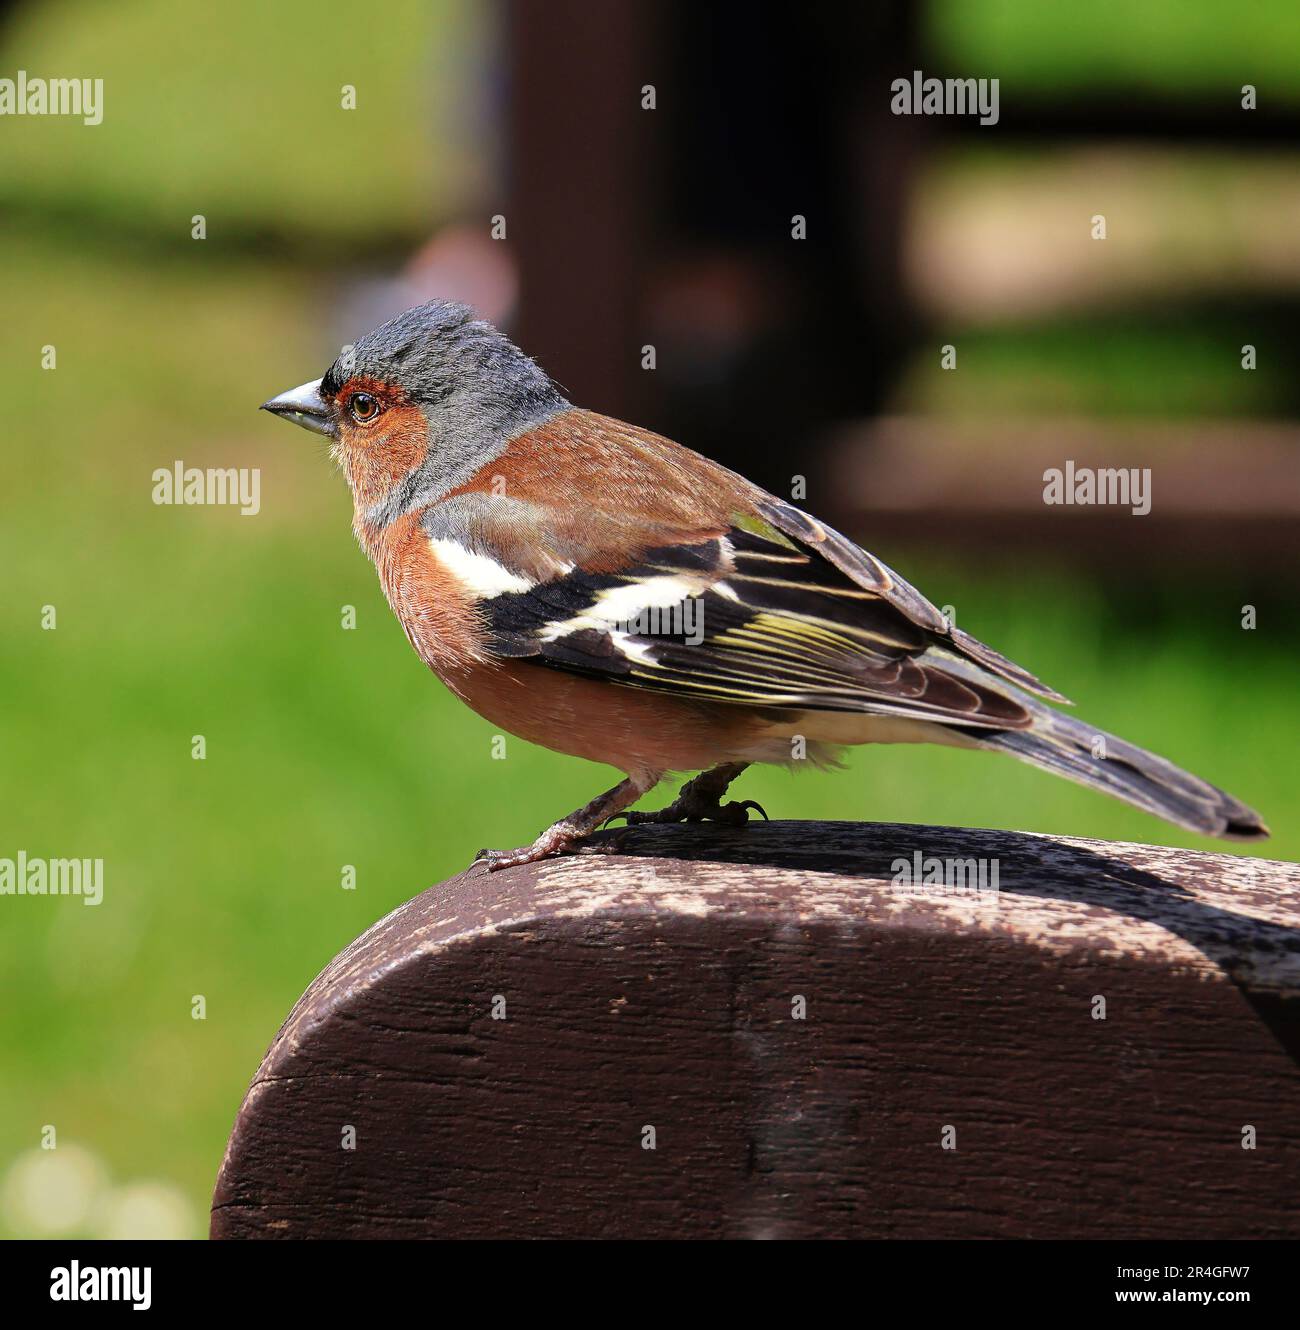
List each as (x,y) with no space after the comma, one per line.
(363,408)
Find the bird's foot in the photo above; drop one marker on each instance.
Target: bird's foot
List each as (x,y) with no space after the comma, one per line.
(733,814)
(554,841)
(701,800)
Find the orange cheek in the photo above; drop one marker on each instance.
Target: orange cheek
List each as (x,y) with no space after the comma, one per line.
(378,458)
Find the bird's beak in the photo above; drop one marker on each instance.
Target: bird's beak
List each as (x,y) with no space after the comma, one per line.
(305,406)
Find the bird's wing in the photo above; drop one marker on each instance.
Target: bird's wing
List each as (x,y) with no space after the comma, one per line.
(708,588)
(866,571)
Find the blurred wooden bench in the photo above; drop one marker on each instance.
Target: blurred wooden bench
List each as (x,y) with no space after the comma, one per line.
(1223,493)
(810,1048)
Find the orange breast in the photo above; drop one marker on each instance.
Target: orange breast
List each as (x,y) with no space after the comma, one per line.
(632,729)
(440,618)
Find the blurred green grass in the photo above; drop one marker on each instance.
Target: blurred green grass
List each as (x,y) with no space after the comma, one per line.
(1178,47)
(328,747)
(235,111)
(1180,364)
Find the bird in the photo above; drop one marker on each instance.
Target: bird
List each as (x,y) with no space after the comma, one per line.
(600,590)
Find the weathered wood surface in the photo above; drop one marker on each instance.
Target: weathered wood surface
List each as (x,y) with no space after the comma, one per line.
(655,988)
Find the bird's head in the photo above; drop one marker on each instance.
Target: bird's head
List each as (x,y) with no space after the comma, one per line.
(418,406)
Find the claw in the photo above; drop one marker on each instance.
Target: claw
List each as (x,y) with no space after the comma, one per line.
(498,859)
(492,858)
(690,810)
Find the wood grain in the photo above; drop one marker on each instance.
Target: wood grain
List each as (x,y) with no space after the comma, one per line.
(656,988)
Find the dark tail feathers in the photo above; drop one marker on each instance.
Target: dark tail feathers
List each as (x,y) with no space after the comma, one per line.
(1066,746)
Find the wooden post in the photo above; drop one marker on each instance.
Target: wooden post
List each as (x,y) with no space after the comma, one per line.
(763,1032)
(582,203)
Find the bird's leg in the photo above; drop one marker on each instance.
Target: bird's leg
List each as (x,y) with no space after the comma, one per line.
(566,833)
(701,798)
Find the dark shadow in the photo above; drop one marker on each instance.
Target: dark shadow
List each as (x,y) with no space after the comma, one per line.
(1036,866)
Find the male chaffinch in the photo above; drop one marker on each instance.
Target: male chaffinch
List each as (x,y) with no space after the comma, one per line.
(597,589)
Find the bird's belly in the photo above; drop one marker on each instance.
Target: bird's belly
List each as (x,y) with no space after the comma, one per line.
(852,727)
(637,730)
(633,729)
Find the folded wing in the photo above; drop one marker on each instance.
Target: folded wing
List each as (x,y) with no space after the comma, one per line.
(756,618)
